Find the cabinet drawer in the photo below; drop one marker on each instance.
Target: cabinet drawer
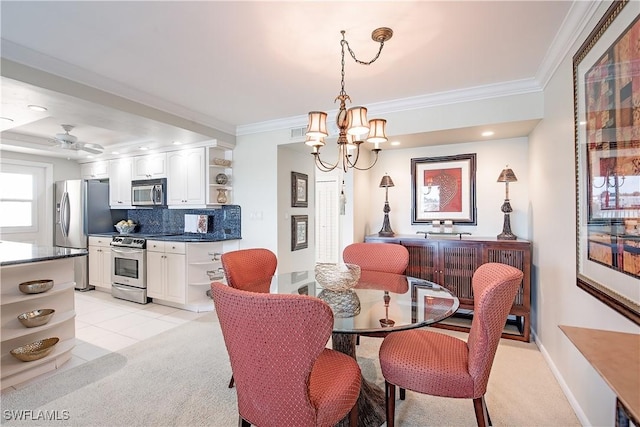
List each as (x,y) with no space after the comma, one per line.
(155,246)
(99,241)
(174,247)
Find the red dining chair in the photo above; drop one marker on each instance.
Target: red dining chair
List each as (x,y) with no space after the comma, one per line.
(441,365)
(385,257)
(249,270)
(285,375)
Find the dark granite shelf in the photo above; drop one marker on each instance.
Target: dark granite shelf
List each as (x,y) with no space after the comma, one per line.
(13,253)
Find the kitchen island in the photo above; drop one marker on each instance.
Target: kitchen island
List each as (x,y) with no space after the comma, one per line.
(22,262)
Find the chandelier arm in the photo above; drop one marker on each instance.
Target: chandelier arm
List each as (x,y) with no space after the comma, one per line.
(325,167)
(376,150)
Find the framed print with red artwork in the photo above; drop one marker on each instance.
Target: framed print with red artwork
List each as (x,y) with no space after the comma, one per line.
(444,188)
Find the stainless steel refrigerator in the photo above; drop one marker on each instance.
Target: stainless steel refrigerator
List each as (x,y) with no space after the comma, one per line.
(81,208)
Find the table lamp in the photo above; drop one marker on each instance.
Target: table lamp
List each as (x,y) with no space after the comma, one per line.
(507,176)
(386,230)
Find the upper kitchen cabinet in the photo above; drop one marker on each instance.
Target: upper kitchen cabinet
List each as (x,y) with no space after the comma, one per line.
(95,170)
(151,166)
(120,173)
(186,178)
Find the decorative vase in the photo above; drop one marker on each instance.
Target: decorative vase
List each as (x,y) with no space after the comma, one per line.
(222,195)
(222,178)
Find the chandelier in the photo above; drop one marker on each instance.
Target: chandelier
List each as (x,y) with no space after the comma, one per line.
(352,123)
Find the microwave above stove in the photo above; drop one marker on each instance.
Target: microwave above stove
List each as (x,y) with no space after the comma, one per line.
(149,192)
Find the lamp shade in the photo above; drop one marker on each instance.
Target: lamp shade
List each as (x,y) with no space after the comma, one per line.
(317,126)
(507,175)
(314,141)
(357,121)
(386,182)
(377,131)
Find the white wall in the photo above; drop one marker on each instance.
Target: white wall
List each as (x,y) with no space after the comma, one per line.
(491,158)
(62,168)
(556,300)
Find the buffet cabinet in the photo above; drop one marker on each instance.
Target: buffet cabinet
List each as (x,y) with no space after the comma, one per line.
(451,262)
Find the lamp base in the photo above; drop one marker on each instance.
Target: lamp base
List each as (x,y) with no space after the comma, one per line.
(506,229)
(507,236)
(386,230)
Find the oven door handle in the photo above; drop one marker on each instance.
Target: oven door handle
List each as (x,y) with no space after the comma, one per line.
(126,251)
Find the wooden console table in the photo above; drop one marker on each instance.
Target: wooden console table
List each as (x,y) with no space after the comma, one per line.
(616,357)
(451,262)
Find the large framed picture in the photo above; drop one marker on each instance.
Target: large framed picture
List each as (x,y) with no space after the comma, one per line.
(444,188)
(299,232)
(606,79)
(299,192)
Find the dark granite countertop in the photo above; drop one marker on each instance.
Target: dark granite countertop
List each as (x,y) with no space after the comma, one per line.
(187,237)
(12,253)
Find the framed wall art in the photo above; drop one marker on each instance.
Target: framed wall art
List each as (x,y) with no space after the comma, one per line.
(606,83)
(444,188)
(299,232)
(299,190)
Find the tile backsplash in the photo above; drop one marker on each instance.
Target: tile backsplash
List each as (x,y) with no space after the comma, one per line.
(225,221)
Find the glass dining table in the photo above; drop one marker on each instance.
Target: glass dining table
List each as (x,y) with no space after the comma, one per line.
(379,304)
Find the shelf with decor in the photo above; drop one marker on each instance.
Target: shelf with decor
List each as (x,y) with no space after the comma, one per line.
(219,175)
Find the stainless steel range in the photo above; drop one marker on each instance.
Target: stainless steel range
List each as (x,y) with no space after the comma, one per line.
(129,269)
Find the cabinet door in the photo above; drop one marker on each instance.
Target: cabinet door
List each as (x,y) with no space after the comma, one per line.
(176,177)
(458,262)
(120,173)
(95,266)
(150,167)
(423,260)
(156,268)
(518,257)
(106,268)
(94,170)
(175,278)
(195,179)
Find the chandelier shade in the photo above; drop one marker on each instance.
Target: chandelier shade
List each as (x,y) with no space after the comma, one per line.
(352,123)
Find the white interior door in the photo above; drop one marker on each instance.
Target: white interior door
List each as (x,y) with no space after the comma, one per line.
(327,220)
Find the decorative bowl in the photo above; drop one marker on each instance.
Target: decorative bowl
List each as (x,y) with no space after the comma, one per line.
(35,286)
(34,318)
(125,229)
(337,277)
(36,350)
(221,162)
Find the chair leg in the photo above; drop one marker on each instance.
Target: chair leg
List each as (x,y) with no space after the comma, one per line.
(353,416)
(357,339)
(390,397)
(403,393)
(231,382)
(482,414)
(243,423)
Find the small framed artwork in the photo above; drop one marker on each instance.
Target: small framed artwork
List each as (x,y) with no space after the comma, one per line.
(444,188)
(299,232)
(299,191)
(607,148)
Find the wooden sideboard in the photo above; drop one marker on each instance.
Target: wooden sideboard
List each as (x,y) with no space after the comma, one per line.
(451,262)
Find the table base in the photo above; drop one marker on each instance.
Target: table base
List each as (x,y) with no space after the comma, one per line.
(371,402)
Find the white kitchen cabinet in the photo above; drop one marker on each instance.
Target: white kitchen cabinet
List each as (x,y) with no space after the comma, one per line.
(100,263)
(120,173)
(151,166)
(166,271)
(186,177)
(95,170)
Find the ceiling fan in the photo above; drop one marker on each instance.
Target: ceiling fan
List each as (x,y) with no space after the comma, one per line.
(70,142)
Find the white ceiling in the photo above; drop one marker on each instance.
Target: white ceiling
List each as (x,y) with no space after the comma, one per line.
(231,66)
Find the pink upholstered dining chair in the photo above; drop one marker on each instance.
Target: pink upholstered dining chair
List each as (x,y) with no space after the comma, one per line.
(249,270)
(385,257)
(441,365)
(285,375)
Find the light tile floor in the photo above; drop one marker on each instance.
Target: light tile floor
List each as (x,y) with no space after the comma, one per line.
(105,324)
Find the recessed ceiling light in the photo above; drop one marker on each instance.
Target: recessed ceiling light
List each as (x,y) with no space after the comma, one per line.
(143,148)
(177,143)
(6,118)
(115,152)
(395,143)
(488,133)
(36,107)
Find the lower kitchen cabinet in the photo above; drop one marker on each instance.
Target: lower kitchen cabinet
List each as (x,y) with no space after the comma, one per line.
(100,263)
(451,263)
(166,271)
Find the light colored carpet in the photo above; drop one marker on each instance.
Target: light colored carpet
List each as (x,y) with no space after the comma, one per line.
(179,378)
